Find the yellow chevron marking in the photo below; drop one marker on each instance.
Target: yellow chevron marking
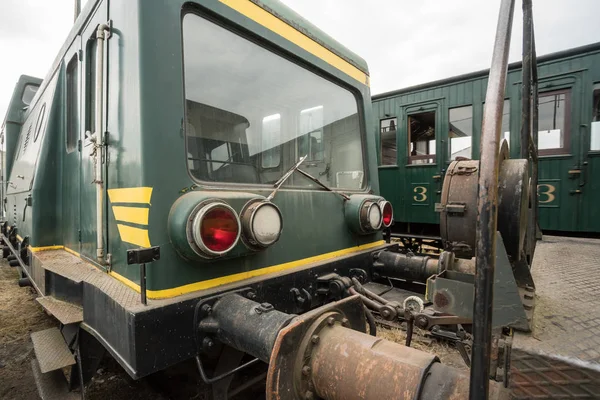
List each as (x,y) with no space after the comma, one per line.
(167,293)
(274,24)
(130,195)
(136,215)
(133,235)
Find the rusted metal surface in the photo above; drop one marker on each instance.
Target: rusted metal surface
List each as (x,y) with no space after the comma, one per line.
(513,205)
(460,189)
(319,355)
(487,205)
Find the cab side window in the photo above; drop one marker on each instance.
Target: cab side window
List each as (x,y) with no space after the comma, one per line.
(72,105)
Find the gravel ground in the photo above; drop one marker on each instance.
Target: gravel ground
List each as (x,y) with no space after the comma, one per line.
(20,315)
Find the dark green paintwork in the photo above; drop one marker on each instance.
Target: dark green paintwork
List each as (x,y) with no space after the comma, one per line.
(576,69)
(143,117)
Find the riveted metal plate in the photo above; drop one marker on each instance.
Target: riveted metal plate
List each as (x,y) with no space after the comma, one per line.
(66,313)
(51,351)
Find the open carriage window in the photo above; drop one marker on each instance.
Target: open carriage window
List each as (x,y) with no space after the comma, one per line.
(553,126)
(595,131)
(387,130)
(421,138)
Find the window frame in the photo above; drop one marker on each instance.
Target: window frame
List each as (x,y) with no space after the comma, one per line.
(234,27)
(566,148)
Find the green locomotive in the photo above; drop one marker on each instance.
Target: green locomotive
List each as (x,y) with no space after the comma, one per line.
(422,128)
(194,179)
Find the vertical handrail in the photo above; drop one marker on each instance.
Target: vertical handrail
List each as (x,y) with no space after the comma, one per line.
(487,206)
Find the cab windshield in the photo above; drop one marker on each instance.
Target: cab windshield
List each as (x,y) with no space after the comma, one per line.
(251,114)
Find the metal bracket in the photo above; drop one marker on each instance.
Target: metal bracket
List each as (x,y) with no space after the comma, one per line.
(141,257)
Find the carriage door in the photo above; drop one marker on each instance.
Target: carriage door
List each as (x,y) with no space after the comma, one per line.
(423,162)
(71,154)
(559,193)
(88,187)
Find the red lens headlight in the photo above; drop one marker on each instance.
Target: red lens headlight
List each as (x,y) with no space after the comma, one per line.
(216,229)
(387,213)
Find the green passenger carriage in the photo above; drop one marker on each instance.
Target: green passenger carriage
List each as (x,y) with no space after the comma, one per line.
(422,128)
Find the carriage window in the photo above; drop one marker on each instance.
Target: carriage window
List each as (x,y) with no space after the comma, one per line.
(90,86)
(505,128)
(268,111)
(29,93)
(595,131)
(421,138)
(552,122)
(460,121)
(271,152)
(387,129)
(72,104)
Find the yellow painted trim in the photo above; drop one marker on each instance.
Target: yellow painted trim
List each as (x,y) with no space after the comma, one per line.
(136,215)
(46,248)
(130,195)
(133,235)
(192,287)
(276,25)
(68,250)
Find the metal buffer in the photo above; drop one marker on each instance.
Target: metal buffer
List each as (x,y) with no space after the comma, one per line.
(324,353)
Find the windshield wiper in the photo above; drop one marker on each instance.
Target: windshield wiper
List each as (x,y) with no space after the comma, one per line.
(296,167)
(285,176)
(324,186)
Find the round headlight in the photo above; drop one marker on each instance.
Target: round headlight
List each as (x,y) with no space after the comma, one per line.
(215,229)
(387,213)
(370,216)
(261,223)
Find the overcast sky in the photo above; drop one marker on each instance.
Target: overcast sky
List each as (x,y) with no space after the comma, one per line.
(405,42)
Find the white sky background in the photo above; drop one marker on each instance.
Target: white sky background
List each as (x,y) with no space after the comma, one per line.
(404,42)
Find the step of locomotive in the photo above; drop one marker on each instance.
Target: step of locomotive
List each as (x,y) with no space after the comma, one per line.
(66,313)
(51,351)
(52,385)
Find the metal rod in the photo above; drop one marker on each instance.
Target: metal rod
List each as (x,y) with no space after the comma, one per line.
(77,9)
(143,283)
(534,128)
(487,206)
(526,79)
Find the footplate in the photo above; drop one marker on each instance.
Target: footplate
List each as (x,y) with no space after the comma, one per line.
(51,351)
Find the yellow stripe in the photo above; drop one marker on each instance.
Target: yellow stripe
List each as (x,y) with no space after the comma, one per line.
(46,248)
(167,293)
(133,235)
(130,195)
(136,215)
(20,238)
(68,250)
(271,22)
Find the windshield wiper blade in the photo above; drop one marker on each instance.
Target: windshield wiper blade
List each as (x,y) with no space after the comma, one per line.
(324,186)
(285,177)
